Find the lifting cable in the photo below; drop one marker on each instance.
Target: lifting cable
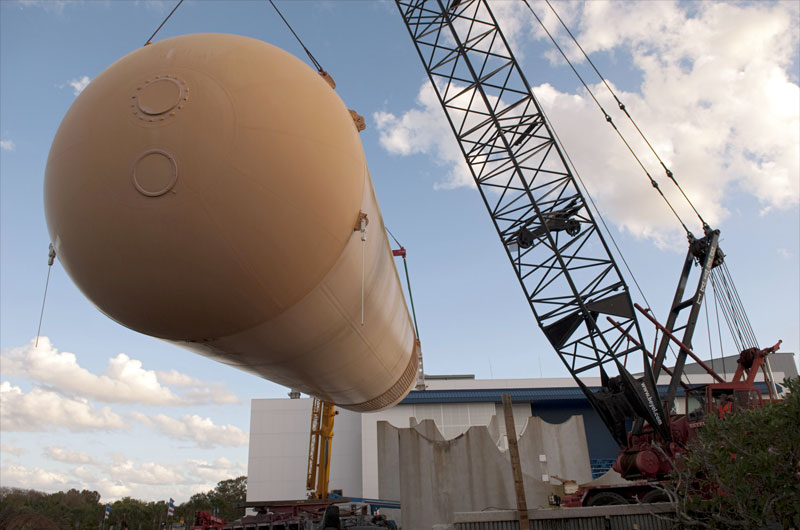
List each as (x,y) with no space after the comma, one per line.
(594,205)
(583,184)
(708,332)
(732,308)
(624,109)
(610,121)
(311,57)
(164,22)
(600,216)
(722,281)
(719,332)
(51,256)
(408,280)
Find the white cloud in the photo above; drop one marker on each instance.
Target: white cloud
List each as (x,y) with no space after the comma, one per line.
(125,382)
(214,472)
(36,478)
(7,145)
(198,391)
(54,6)
(716,101)
(79,84)
(194,428)
(123,477)
(86,475)
(145,473)
(43,410)
(425,130)
(111,490)
(63,454)
(159,6)
(12,450)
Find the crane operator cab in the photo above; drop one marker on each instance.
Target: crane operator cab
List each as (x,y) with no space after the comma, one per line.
(720,401)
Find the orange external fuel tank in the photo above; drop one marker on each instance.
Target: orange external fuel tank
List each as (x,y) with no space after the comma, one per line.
(208,190)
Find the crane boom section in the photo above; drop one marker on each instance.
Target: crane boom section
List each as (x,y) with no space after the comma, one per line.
(319,449)
(559,256)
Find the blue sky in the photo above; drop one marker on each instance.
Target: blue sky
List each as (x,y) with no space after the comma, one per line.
(715,85)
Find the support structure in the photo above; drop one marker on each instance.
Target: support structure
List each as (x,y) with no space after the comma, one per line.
(516,466)
(319,449)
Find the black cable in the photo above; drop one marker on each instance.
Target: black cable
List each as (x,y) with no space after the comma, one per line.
(311,57)
(708,332)
(51,257)
(746,320)
(609,119)
(599,215)
(594,205)
(41,314)
(720,286)
(719,333)
(408,282)
(748,328)
(624,109)
(391,234)
(739,320)
(164,22)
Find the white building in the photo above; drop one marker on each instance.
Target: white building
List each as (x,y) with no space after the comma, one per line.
(279,435)
(279,428)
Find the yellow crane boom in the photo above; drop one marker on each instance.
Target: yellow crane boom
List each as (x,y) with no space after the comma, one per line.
(319,449)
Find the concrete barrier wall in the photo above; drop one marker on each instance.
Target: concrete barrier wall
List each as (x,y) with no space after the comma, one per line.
(434,478)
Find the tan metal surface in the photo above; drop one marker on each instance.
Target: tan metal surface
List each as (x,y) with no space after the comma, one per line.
(203,190)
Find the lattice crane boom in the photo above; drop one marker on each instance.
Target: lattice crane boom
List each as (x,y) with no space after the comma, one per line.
(553,243)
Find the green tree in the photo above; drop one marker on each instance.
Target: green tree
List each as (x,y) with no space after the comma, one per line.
(22,509)
(743,471)
(227,495)
(70,510)
(224,498)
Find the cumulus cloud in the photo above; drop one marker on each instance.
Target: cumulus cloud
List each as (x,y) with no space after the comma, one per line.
(36,478)
(194,428)
(7,145)
(12,450)
(715,99)
(216,471)
(63,454)
(126,381)
(122,477)
(43,410)
(424,130)
(145,473)
(53,6)
(85,474)
(78,84)
(198,391)
(111,490)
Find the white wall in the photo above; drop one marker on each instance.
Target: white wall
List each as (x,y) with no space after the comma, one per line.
(278,459)
(279,430)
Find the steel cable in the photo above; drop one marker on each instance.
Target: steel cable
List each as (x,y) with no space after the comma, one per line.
(310,56)
(408,283)
(624,109)
(164,22)
(610,121)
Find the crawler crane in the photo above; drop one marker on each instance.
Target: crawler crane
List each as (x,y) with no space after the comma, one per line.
(562,261)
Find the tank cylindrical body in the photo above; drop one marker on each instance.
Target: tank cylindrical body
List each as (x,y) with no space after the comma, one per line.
(207,190)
